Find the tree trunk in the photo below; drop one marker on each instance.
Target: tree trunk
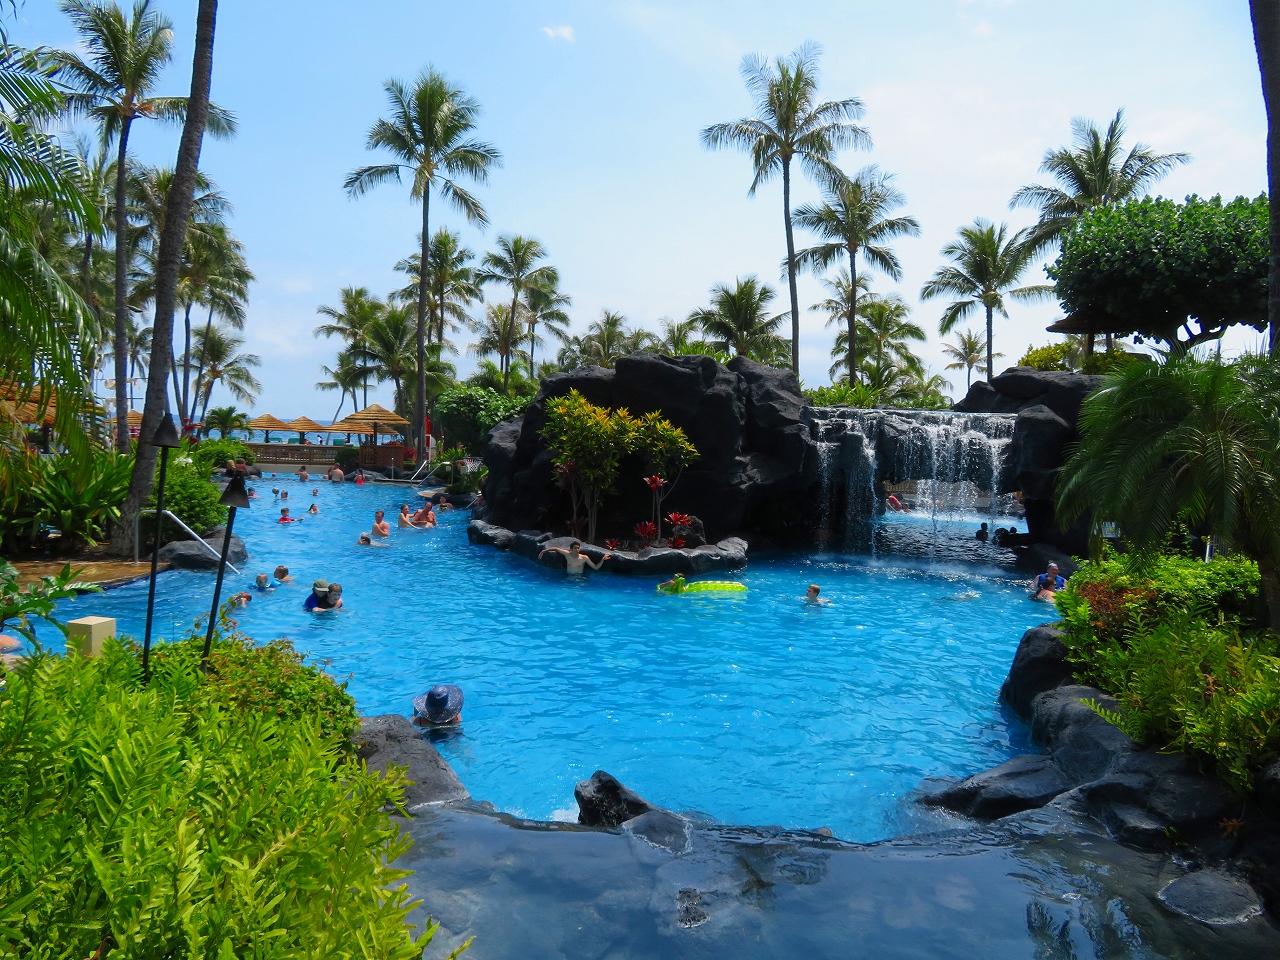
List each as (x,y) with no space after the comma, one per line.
(187,407)
(1266,39)
(791,269)
(122,295)
(169,260)
(204,350)
(991,361)
(853,315)
(420,401)
(533,329)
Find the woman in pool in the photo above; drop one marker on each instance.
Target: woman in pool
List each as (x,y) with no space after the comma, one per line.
(404,520)
(313,509)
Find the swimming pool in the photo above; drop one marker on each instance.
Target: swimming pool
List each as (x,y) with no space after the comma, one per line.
(751,709)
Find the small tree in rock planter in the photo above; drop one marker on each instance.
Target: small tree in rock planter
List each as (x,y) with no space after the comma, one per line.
(588,442)
(666,451)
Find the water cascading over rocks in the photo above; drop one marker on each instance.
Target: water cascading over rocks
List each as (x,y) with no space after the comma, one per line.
(956,459)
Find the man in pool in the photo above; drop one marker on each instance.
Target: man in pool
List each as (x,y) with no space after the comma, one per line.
(983,533)
(811,595)
(1047,584)
(575,561)
(282,576)
(425,516)
(335,474)
(380,526)
(318,598)
(303,475)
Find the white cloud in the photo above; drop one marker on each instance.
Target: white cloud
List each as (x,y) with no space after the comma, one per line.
(983,29)
(562,32)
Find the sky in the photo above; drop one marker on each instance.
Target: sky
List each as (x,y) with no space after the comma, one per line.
(597,106)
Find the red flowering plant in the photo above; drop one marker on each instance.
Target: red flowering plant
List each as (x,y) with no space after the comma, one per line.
(678,519)
(612,544)
(647,531)
(677,542)
(665,451)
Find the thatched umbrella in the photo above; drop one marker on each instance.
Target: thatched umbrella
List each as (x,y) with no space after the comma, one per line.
(376,420)
(266,423)
(305,425)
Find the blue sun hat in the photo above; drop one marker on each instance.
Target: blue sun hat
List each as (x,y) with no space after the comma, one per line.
(441,704)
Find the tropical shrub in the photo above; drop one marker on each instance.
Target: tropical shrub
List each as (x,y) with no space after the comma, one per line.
(20,605)
(190,496)
(587,443)
(1051,357)
(210,455)
(467,414)
(149,821)
(80,500)
(859,395)
(271,678)
(1167,637)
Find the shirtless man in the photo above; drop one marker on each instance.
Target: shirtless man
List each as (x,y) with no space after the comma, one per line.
(335,474)
(380,526)
(425,517)
(574,560)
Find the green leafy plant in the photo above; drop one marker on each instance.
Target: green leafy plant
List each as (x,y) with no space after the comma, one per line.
(20,605)
(587,442)
(157,823)
(467,414)
(81,504)
(210,455)
(1055,356)
(190,496)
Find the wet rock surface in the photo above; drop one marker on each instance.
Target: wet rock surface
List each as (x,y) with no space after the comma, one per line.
(1043,884)
(1212,896)
(391,738)
(191,555)
(728,554)
(604,802)
(1144,798)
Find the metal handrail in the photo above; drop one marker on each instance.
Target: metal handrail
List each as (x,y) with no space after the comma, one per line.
(199,539)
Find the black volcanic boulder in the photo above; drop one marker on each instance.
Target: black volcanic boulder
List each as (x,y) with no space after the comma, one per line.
(1035,453)
(604,802)
(696,394)
(1039,665)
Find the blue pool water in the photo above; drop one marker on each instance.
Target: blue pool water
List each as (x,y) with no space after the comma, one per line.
(751,709)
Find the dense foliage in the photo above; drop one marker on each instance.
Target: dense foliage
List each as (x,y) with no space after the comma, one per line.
(155,823)
(467,414)
(78,497)
(1054,356)
(210,455)
(21,605)
(1170,639)
(1155,265)
(190,497)
(1186,442)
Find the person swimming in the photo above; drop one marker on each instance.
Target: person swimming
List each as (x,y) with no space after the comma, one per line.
(313,509)
(285,518)
(575,561)
(1047,584)
(320,597)
(983,534)
(812,595)
(439,706)
(262,584)
(365,540)
(425,517)
(404,520)
(281,575)
(380,526)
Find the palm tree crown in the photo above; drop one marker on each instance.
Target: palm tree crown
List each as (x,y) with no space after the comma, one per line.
(790,124)
(350,320)
(738,320)
(853,219)
(1094,172)
(967,352)
(429,135)
(515,265)
(986,263)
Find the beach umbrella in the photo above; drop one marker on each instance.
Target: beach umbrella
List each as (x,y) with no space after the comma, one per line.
(305,425)
(266,423)
(378,420)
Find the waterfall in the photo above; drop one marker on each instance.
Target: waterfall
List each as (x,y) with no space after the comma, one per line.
(950,463)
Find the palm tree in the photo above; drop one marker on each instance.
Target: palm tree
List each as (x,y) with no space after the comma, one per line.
(351,320)
(1094,172)
(544,306)
(738,320)
(1185,441)
(126,55)
(428,134)
(968,352)
(678,340)
(514,264)
(347,379)
(499,335)
(885,326)
(605,341)
(852,219)
(225,365)
(836,305)
(389,342)
(790,124)
(226,420)
(1266,39)
(218,279)
(987,262)
(451,285)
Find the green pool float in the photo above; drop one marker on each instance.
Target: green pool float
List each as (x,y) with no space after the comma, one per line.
(677,585)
